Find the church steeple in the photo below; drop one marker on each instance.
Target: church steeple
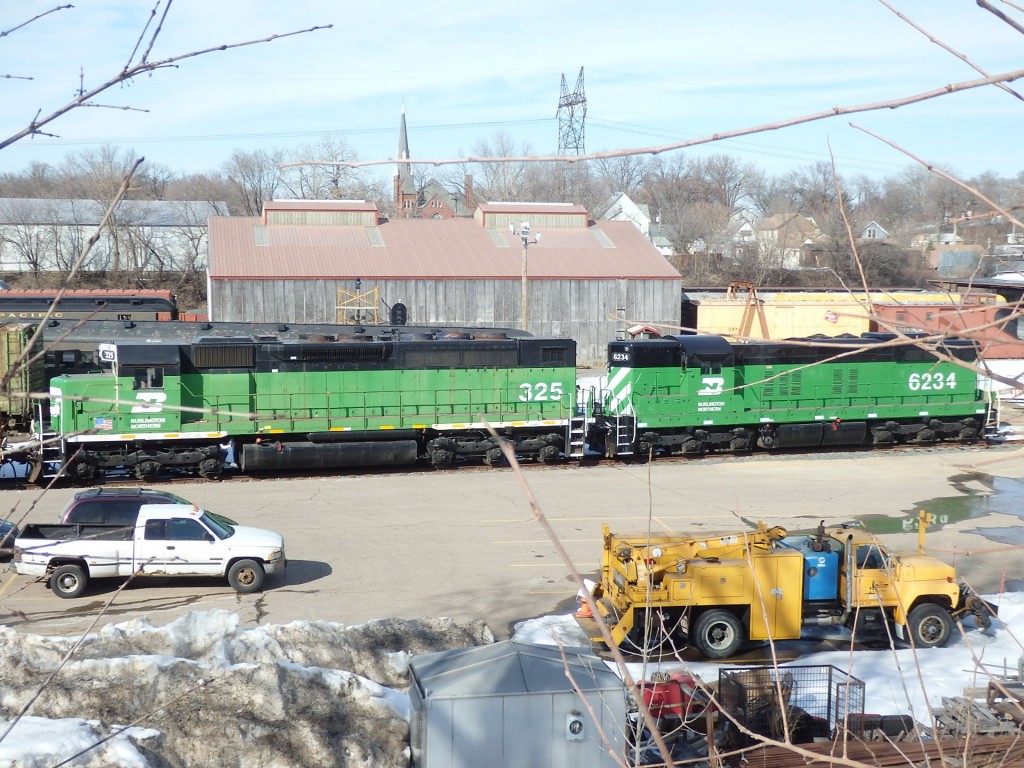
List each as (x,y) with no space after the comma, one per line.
(404,187)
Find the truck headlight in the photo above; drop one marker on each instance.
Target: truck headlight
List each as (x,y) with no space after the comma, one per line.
(275,554)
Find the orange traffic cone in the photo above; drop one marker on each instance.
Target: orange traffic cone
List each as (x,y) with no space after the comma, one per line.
(584,612)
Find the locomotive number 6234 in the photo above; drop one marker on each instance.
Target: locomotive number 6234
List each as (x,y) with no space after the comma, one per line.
(931,381)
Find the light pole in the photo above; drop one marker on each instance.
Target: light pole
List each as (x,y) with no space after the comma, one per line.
(524,234)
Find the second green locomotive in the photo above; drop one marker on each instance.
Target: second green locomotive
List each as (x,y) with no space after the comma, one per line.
(695,394)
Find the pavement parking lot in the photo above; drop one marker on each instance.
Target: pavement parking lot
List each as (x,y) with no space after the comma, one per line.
(465,544)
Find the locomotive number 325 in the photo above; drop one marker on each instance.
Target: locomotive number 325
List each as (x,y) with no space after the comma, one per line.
(931,381)
(540,391)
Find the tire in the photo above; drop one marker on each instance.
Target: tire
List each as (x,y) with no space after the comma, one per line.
(641,642)
(246,576)
(717,634)
(68,581)
(929,625)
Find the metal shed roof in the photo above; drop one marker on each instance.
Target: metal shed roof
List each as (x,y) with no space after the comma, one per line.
(245,248)
(510,667)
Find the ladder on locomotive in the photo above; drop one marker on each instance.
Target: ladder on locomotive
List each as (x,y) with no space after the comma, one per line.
(49,455)
(625,435)
(580,421)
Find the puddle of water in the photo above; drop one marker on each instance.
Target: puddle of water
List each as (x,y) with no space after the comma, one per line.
(979,495)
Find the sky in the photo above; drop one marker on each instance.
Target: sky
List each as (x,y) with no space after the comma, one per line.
(465,72)
(890,684)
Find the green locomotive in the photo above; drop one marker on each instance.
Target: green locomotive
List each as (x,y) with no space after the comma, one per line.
(277,405)
(696,394)
(267,402)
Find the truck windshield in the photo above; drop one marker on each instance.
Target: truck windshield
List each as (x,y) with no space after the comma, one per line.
(219,525)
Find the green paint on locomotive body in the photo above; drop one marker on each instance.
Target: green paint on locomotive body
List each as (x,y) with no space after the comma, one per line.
(301,398)
(669,397)
(709,393)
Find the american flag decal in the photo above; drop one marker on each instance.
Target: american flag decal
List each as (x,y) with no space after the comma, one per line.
(102,422)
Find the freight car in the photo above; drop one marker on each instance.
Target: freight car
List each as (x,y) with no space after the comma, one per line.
(198,398)
(696,394)
(98,304)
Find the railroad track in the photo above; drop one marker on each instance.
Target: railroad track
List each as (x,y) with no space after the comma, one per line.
(236,476)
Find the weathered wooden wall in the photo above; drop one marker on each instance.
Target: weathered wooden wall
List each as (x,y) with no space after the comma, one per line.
(592,312)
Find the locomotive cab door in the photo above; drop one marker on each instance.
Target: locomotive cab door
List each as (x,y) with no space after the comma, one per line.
(149,387)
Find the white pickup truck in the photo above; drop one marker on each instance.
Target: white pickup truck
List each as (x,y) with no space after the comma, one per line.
(166,540)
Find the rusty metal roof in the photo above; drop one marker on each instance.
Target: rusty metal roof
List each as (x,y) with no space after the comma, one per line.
(246,248)
(318,205)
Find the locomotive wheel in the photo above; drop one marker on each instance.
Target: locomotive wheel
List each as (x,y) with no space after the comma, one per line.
(968,434)
(147,470)
(441,457)
(82,471)
(926,436)
(743,443)
(693,448)
(548,454)
(882,437)
(210,468)
(493,457)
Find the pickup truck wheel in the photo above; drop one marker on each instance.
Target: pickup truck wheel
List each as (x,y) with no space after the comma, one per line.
(68,581)
(246,576)
(930,625)
(717,634)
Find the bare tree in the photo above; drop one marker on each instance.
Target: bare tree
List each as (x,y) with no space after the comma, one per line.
(621,174)
(322,182)
(256,176)
(502,181)
(24,245)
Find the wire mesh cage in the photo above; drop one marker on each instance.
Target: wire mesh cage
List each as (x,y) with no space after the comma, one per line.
(800,703)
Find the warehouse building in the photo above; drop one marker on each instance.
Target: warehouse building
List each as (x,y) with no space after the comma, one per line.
(320,261)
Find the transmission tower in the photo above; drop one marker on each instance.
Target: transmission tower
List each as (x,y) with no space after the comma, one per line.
(572,110)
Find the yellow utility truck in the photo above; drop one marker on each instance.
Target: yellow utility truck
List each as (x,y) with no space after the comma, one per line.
(717,592)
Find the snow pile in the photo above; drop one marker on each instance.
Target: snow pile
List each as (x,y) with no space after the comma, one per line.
(204,691)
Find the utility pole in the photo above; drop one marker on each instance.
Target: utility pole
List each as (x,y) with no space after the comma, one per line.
(524,234)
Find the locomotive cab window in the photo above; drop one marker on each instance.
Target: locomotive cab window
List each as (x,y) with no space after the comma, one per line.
(148,378)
